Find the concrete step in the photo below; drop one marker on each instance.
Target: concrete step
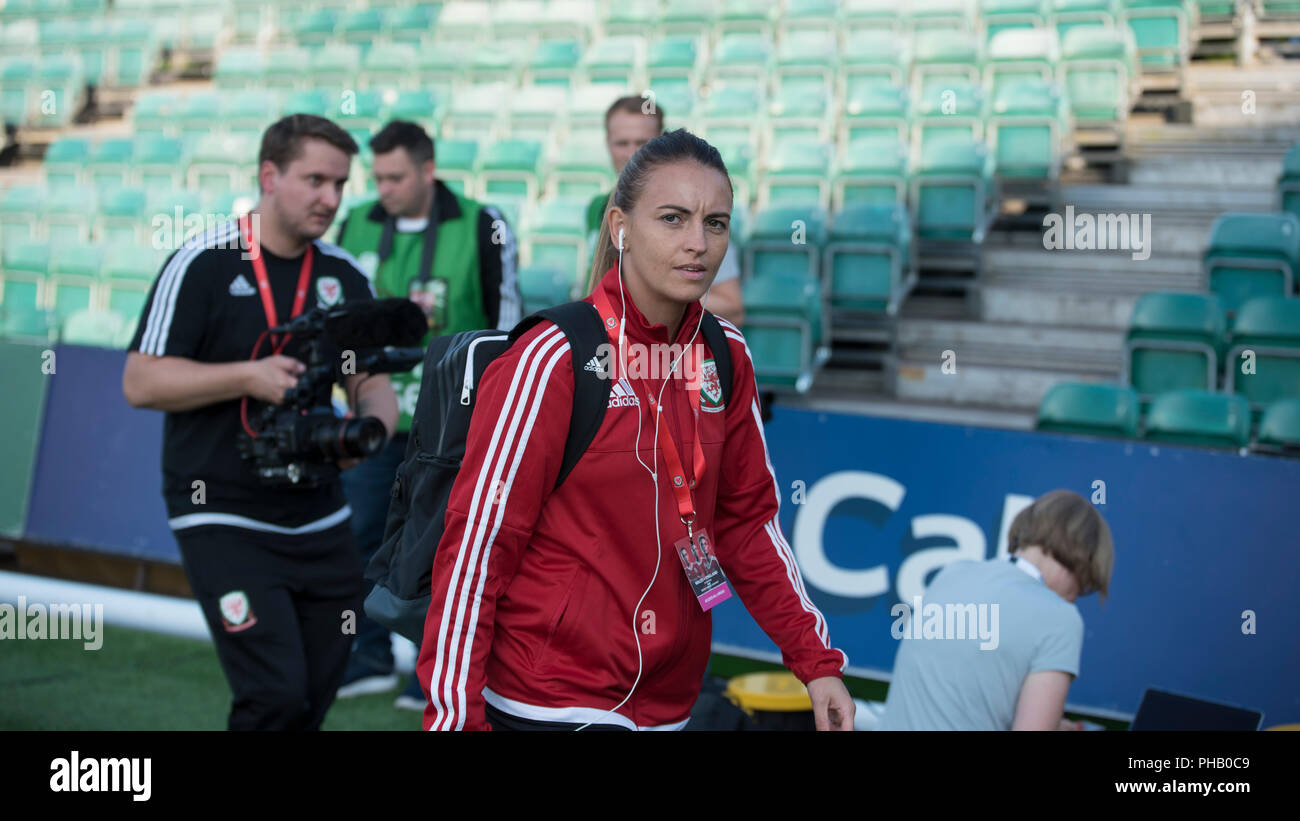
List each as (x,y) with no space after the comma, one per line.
(1171,234)
(1007,388)
(1175,196)
(1011,344)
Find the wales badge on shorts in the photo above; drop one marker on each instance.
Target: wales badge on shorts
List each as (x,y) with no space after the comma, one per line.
(236,612)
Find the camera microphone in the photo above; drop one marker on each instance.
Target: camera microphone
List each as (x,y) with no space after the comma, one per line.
(372,323)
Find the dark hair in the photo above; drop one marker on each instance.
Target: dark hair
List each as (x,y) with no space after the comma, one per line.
(404,134)
(636,105)
(674,146)
(282,141)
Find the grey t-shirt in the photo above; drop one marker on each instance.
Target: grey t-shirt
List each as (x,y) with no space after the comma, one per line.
(951,683)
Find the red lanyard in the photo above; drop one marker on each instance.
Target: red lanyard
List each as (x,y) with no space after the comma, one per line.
(676,475)
(264,283)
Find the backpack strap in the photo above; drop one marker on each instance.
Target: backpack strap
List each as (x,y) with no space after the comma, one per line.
(717,341)
(581,324)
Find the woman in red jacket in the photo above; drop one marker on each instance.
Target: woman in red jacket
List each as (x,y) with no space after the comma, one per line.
(571,607)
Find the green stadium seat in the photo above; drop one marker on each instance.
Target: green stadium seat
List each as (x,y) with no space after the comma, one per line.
(871,15)
(741,55)
(944,15)
(1027,127)
(466,21)
(316,27)
(739,157)
(413,24)
(800,112)
(176,216)
(62,91)
(1196,417)
(223,162)
(746,15)
(729,112)
(360,113)
(419,105)
(533,112)
(1252,255)
(90,42)
(554,61)
(797,171)
(66,216)
(318,101)
(511,168)
(135,50)
(158,163)
(786,237)
(875,111)
(25,267)
(20,206)
(455,159)
(1099,71)
(361,27)
(1173,343)
(942,58)
(154,113)
(783,328)
(336,66)
(287,67)
(15,80)
(557,237)
(1161,29)
(580,168)
(630,16)
(476,111)
(1064,15)
(1020,54)
(22,320)
(873,170)
(687,15)
(73,279)
(1090,409)
(1280,425)
(1002,15)
(673,59)
(874,58)
(110,162)
(390,66)
(1288,182)
(544,287)
(93,327)
(614,60)
(250,111)
(950,190)
(807,59)
(126,278)
(1268,327)
(444,66)
(868,262)
(238,68)
(64,160)
(196,113)
(955,112)
(121,219)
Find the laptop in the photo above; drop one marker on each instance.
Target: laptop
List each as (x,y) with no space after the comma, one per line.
(1162,710)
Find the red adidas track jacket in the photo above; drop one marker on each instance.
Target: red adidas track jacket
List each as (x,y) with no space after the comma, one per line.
(534,588)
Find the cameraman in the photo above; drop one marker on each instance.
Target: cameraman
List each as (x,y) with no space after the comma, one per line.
(273,568)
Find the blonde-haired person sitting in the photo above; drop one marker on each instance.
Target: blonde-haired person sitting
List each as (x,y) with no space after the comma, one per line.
(1061,549)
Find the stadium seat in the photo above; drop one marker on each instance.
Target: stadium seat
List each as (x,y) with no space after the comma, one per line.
(126,278)
(955,112)
(875,111)
(1196,417)
(176,216)
(1161,29)
(247,113)
(800,112)
(807,59)
(629,16)
(785,238)
(1173,343)
(673,60)
(1269,328)
(534,112)
(1018,54)
(868,261)
(64,160)
(950,190)
(335,66)
(816,14)
(23,320)
(158,163)
(614,60)
(475,111)
(316,27)
(154,114)
(66,216)
(873,170)
(1027,129)
(686,15)
(729,112)
(238,68)
(797,171)
(318,101)
(1288,183)
(1090,408)
(942,58)
(783,328)
(360,113)
(754,16)
(390,66)
(287,67)
(225,162)
(413,24)
(510,167)
(121,219)
(874,58)
(73,278)
(423,106)
(20,206)
(1280,425)
(92,326)
(24,266)
(952,15)
(1099,71)
(741,55)
(110,162)
(739,157)
(59,88)
(553,62)
(455,159)
(883,16)
(1064,15)
(544,287)
(1003,15)
(1250,255)
(556,237)
(580,168)
(135,50)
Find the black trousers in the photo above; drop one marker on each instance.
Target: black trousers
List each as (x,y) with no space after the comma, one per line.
(501,721)
(282,611)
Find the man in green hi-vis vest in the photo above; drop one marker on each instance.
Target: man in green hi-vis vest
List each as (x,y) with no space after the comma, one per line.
(457,259)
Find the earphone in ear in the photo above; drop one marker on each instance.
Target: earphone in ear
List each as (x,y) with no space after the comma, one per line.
(620,239)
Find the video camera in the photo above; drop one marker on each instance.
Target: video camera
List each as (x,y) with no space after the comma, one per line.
(298,442)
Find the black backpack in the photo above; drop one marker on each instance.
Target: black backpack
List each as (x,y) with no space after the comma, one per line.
(402,568)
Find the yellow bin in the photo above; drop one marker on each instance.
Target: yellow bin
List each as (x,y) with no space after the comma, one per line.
(776,701)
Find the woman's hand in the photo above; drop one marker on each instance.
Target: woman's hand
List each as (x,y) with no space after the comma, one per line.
(832,705)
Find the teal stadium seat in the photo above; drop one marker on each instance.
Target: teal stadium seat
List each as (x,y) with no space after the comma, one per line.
(580,168)
(807,60)
(951,190)
(1100,74)
(64,160)
(868,265)
(873,170)
(74,279)
(1161,29)
(615,60)
(554,61)
(1020,54)
(1064,15)
(786,238)
(1091,409)
(1280,425)
(1027,126)
(158,163)
(543,287)
(1288,182)
(110,163)
(874,58)
(455,159)
(1252,254)
(942,58)
(121,219)
(1196,417)
(25,267)
(784,328)
(20,207)
(875,111)
(510,167)
(1173,343)
(1003,15)
(1268,327)
(66,216)
(556,237)
(797,171)
(93,327)
(800,112)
